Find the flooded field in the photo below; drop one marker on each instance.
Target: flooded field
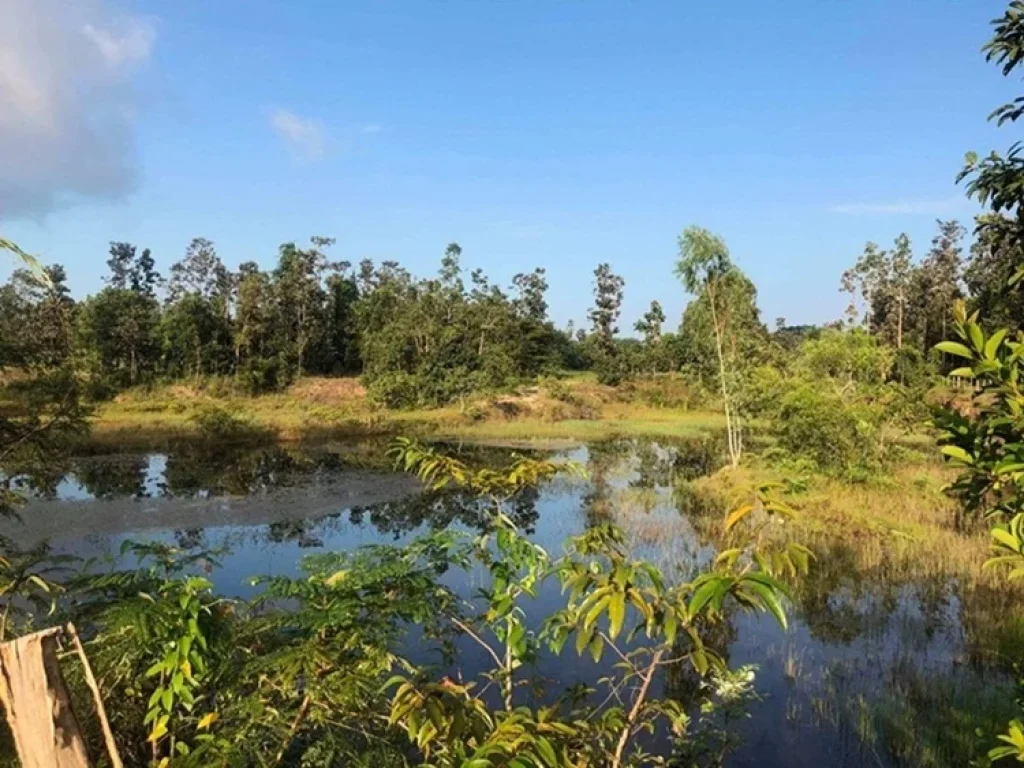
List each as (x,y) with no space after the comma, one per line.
(872,671)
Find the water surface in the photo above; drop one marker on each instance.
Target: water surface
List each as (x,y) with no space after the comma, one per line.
(871,671)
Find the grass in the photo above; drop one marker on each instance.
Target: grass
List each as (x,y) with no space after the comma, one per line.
(900,520)
(324,408)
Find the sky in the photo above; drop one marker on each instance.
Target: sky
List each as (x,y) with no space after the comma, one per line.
(554,133)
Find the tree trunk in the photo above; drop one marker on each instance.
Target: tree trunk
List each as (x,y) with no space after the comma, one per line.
(899,323)
(37,704)
(732,427)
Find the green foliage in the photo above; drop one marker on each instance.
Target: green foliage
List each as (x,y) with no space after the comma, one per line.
(848,359)
(217,423)
(824,427)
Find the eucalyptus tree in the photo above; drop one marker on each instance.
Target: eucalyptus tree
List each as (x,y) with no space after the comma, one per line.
(883,278)
(650,324)
(604,316)
(937,283)
(196,323)
(607,305)
(706,271)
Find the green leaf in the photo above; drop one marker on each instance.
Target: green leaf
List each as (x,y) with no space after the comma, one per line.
(977,337)
(704,594)
(963,373)
(992,345)
(958,453)
(546,751)
(616,613)
(954,348)
(770,600)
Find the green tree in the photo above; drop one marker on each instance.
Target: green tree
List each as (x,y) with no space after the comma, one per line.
(997,181)
(936,285)
(721,312)
(883,279)
(604,316)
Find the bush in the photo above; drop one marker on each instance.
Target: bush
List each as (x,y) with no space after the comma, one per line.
(821,426)
(218,423)
(395,390)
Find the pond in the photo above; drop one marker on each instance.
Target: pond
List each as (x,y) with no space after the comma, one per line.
(872,671)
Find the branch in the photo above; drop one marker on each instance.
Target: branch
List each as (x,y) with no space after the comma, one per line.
(480,641)
(637,706)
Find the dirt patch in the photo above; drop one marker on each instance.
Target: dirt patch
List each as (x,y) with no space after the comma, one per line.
(318,389)
(538,403)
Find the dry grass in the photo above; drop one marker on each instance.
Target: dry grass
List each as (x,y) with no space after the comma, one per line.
(338,407)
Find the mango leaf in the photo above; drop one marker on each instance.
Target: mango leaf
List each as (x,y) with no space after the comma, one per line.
(955,348)
(616,613)
(992,345)
(958,453)
(737,514)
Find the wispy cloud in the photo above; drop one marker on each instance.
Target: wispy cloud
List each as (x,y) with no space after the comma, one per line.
(902,207)
(128,41)
(371,128)
(305,136)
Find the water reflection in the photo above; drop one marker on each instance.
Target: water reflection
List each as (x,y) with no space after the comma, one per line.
(880,666)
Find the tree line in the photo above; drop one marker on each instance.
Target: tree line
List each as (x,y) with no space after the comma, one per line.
(431,340)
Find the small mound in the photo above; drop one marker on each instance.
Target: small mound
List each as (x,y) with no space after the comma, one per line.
(321,389)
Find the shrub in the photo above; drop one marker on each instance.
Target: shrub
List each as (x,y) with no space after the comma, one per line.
(395,389)
(823,427)
(218,423)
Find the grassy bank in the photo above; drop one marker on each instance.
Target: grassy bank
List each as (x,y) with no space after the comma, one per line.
(334,408)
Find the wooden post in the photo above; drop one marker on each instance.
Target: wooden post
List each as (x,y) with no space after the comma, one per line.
(97,697)
(37,704)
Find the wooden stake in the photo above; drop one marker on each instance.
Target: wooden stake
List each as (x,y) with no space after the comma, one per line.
(101,712)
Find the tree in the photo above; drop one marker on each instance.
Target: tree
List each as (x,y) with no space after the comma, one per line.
(532,287)
(706,271)
(200,272)
(936,284)
(650,324)
(42,405)
(300,301)
(603,316)
(994,258)
(342,297)
(130,270)
(883,279)
(197,324)
(118,328)
(997,181)
(607,306)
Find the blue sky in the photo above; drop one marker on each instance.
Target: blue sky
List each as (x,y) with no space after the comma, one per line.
(556,134)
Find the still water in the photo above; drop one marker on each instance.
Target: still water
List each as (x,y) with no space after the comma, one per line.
(872,671)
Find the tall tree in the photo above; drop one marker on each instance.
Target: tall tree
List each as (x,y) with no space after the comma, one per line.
(300,302)
(650,324)
(200,272)
(532,289)
(607,305)
(706,271)
(883,279)
(936,285)
(131,270)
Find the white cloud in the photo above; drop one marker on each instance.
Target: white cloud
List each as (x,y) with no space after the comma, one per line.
(371,128)
(132,40)
(902,207)
(66,103)
(305,136)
